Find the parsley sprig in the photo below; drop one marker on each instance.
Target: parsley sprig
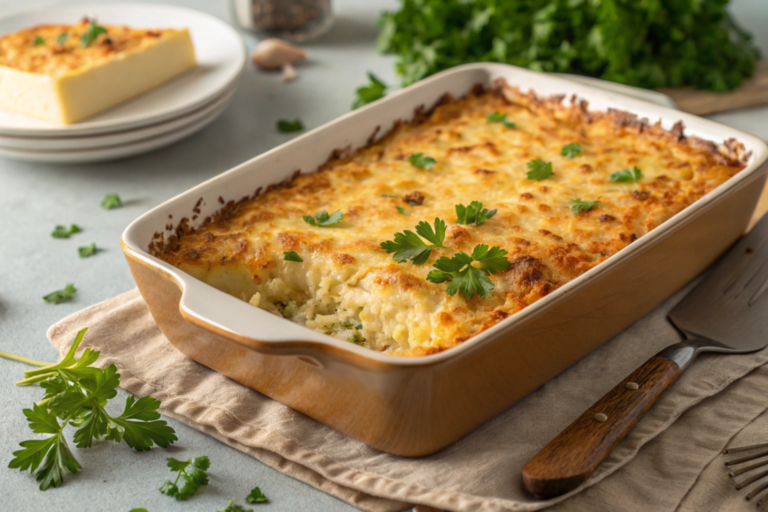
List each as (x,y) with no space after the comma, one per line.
(76,394)
(234,507)
(286,126)
(473,214)
(323,219)
(539,170)
(458,269)
(466,277)
(376,89)
(192,474)
(626,175)
(410,246)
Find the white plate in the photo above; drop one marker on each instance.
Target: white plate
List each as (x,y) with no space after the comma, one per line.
(220,56)
(87,142)
(113,152)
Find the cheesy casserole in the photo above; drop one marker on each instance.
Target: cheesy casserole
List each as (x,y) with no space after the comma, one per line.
(65,73)
(339,280)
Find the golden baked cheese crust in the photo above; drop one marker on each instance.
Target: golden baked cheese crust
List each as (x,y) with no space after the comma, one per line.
(44,50)
(348,286)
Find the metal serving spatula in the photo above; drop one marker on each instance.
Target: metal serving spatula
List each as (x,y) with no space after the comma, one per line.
(727,312)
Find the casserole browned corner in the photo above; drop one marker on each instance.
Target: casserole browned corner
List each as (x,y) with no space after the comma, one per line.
(630,175)
(417,405)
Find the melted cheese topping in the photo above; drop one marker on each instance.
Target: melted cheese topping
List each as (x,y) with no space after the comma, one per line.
(19,51)
(350,288)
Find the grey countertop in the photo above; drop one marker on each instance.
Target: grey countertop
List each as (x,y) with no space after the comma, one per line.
(36,197)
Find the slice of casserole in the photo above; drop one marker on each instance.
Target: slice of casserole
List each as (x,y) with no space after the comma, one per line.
(569,188)
(66,73)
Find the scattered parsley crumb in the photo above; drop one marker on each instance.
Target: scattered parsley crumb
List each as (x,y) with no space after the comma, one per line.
(111,201)
(60,296)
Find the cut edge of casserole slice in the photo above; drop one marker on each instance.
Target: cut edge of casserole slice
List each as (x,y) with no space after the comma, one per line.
(49,72)
(347,286)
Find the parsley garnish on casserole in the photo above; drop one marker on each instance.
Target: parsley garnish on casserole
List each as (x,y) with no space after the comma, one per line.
(348,282)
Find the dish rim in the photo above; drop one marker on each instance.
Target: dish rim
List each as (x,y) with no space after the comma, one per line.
(191,286)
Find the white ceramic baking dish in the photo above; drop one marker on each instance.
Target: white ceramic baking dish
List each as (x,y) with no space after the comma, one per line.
(415,406)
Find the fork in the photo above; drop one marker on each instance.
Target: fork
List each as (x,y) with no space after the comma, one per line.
(762,451)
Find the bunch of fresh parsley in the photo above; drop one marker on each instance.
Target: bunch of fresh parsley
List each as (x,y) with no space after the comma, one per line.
(467,273)
(647,44)
(76,394)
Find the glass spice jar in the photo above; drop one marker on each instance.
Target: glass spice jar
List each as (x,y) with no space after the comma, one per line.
(293,20)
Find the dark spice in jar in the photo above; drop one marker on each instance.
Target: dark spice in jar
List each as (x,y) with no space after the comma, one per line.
(289,16)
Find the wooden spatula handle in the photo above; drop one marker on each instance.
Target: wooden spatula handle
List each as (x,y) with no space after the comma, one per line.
(574,455)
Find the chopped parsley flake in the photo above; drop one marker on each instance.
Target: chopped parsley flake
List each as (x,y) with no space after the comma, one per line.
(498,117)
(578,206)
(39,41)
(286,126)
(419,160)
(62,38)
(292,256)
(323,220)
(193,474)
(60,296)
(111,201)
(87,250)
(539,170)
(571,150)
(400,209)
(256,496)
(91,33)
(626,175)
(64,232)
(375,90)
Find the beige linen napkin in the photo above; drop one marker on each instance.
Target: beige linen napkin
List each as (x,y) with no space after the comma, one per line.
(479,472)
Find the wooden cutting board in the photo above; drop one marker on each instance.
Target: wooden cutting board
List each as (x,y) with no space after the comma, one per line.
(752,93)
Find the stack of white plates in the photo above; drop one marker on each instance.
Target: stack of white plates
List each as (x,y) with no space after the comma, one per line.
(160,117)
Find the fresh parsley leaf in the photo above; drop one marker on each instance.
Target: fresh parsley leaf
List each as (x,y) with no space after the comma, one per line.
(140,425)
(356,338)
(467,278)
(539,170)
(359,327)
(60,296)
(578,206)
(76,394)
(91,33)
(87,250)
(286,126)
(232,507)
(419,160)
(256,496)
(409,245)
(626,175)
(111,201)
(62,38)
(323,220)
(375,90)
(571,150)
(39,41)
(192,474)
(400,209)
(473,214)
(393,196)
(64,232)
(292,256)
(498,117)
(51,458)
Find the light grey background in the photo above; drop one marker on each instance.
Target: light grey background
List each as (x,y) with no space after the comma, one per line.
(36,197)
